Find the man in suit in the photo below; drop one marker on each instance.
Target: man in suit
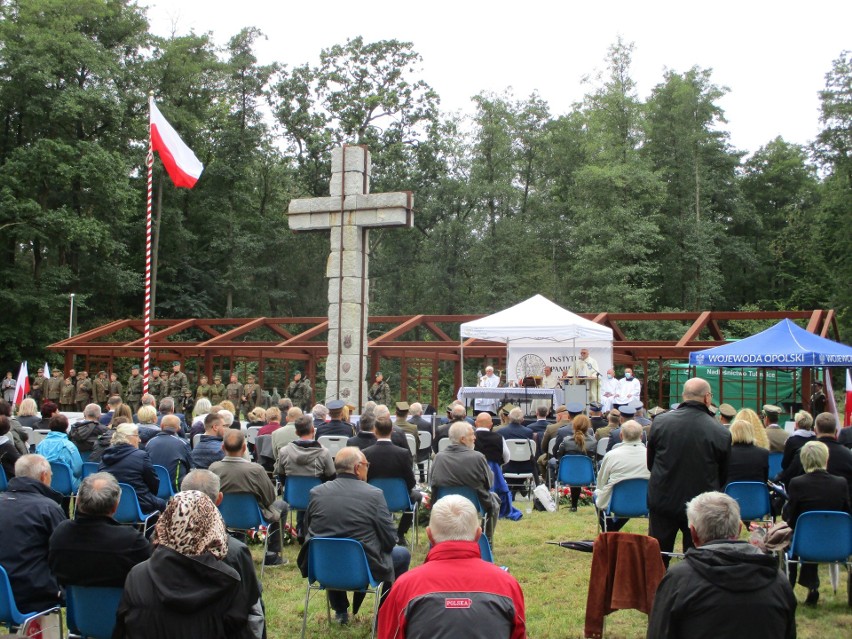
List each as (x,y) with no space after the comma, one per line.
(839,457)
(366,435)
(388,460)
(93,549)
(350,507)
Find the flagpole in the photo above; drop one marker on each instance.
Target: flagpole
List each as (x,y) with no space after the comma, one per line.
(149,160)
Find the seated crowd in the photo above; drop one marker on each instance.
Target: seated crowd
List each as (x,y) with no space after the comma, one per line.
(190,574)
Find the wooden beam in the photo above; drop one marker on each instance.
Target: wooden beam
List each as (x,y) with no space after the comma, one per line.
(235,332)
(402,329)
(302,337)
(432,326)
(695,330)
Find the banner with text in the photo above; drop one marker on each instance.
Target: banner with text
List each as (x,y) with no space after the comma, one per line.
(523,361)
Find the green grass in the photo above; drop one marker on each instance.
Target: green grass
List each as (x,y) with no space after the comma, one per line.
(554,580)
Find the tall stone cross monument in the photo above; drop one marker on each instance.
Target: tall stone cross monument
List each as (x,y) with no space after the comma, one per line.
(349,213)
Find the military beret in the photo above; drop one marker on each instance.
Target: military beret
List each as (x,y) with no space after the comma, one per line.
(336,404)
(574,407)
(402,406)
(156,368)
(727,411)
(135,367)
(101,372)
(627,410)
(378,373)
(217,376)
(250,377)
(772,408)
(175,363)
(297,372)
(595,406)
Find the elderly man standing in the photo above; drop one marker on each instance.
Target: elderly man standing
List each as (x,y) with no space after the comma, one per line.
(29,513)
(350,507)
(93,549)
(626,461)
(455,593)
(460,465)
(239,475)
(489,380)
(724,587)
(688,453)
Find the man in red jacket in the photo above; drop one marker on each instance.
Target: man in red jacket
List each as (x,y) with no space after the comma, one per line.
(454,593)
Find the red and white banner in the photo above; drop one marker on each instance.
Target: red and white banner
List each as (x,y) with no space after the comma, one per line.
(847,417)
(180,162)
(22,385)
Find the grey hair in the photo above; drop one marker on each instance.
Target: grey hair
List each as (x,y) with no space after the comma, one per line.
(167,405)
(149,400)
(123,433)
(346,459)
(203,481)
(458,431)
(804,420)
(714,515)
(319,411)
(202,406)
(814,456)
(382,411)
(32,466)
(458,412)
(99,494)
(92,411)
(631,431)
(415,409)
(227,417)
(453,518)
(516,415)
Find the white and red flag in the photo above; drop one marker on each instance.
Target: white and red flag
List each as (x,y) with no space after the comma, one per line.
(22,385)
(180,162)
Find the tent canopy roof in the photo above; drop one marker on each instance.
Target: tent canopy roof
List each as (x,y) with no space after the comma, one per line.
(784,345)
(536,319)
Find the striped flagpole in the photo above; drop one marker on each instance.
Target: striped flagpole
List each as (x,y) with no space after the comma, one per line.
(146,360)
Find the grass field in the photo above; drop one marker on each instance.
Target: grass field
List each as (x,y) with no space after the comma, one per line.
(554,580)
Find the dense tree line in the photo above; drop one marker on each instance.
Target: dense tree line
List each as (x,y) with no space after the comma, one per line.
(622,204)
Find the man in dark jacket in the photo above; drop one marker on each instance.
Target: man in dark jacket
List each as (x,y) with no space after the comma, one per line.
(721,573)
(169,450)
(209,447)
(349,507)
(839,457)
(336,426)
(93,549)
(29,513)
(366,435)
(688,454)
(390,461)
(84,434)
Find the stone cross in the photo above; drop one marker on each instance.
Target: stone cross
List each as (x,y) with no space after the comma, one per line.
(349,213)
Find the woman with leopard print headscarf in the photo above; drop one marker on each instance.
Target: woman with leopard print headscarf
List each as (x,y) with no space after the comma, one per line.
(184,589)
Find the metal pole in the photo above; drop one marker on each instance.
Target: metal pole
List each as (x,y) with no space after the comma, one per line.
(71,317)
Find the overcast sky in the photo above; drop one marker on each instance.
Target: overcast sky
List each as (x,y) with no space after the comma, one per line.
(773,56)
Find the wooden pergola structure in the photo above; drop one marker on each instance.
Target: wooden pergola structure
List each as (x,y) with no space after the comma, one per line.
(422,342)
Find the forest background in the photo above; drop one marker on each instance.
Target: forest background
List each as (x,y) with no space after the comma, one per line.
(624,203)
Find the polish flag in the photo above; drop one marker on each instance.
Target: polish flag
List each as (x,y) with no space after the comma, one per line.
(180,162)
(847,418)
(22,384)
(46,371)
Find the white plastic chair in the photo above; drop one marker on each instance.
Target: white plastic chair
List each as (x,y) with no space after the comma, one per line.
(333,443)
(521,450)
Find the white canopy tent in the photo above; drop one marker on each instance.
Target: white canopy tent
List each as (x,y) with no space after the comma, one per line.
(539,324)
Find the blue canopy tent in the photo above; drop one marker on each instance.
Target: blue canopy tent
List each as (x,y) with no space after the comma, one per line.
(784,345)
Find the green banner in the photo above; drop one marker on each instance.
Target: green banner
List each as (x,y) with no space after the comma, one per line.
(740,386)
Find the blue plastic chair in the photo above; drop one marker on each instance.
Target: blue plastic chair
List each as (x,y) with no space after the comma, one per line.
(775,464)
(166,491)
(242,512)
(85,454)
(4,482)
(822,537)
(62,480)
(574,470)
(753,498)
(297,491)
(130,512)
(339,564)
(629,498)
(14,619)
(464,491)
(91,611)
(398,498)
(90,468)
(485,549)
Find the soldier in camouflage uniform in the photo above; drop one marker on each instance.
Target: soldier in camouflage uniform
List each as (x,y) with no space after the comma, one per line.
(154,385)
(101,390)
(83,395)
(251,395)
(115,387)
(380,391)
(54,386)
(234,392)
(39,387)
(178,384)
(134,389)
(299,391)
(217,390)
(66,396)
(203,388)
